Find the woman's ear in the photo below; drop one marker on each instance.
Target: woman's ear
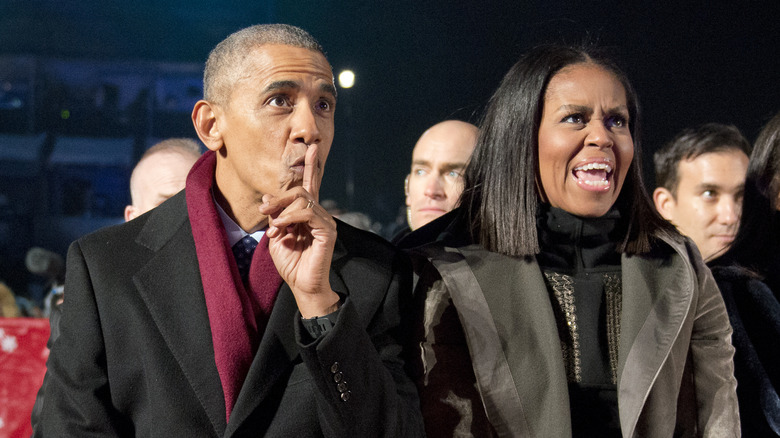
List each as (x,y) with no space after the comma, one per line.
(204,117)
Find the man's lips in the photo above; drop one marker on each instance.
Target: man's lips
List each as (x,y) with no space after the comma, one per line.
(432,210)
(298,166)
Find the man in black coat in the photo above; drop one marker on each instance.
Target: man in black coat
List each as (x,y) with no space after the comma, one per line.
(175,325)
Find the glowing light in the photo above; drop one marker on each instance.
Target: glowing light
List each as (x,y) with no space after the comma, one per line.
(65,114)
(346,79)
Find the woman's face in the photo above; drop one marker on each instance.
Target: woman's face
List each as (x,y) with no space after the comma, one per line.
(585,146)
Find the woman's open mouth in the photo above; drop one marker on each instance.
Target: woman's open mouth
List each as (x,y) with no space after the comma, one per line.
(594,175)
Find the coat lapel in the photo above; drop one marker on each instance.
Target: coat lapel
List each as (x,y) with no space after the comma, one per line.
(525,323)
(657,295)
(171,287)
(512,340)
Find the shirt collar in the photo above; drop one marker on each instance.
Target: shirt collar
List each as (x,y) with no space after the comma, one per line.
(234,232)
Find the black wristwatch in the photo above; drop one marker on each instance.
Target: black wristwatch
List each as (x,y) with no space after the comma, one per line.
(319,325)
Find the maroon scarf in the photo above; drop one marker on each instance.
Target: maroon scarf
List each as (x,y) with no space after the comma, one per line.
(237,316)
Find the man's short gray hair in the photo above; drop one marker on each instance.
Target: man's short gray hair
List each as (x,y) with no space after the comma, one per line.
(225,62)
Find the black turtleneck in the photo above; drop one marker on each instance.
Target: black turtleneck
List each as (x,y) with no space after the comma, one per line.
(582,269)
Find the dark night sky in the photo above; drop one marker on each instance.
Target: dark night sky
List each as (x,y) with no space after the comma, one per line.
(419,62)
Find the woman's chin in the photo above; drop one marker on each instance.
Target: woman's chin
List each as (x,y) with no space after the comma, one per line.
(588,208)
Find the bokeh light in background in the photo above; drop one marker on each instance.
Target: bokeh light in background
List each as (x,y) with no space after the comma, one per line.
(346,79)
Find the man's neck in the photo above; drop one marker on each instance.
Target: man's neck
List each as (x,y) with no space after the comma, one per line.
(248,218)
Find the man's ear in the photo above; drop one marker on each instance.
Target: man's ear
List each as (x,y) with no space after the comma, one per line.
(204,117)
(664,202)
(130,213)
(406,189)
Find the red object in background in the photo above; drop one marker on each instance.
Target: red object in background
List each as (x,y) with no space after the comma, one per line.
(23,355)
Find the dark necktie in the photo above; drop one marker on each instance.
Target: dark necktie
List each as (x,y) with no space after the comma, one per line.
(243,250)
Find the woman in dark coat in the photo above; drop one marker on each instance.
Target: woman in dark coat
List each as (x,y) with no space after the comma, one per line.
(555,302)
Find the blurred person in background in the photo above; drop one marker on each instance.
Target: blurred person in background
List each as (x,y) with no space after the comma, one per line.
(700,180)
(8,306)
(160,173)
(434,184)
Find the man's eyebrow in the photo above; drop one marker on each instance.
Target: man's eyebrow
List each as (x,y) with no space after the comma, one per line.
(443,166)
(421,163)
(718,187)
(707,186)
(328,88)
(453,165)
(279,85)
(293,85)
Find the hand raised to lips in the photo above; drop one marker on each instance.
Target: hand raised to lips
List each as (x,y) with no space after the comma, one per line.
(301,238)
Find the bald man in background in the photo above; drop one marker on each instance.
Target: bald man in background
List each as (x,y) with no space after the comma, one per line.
(434,184)
(160,173)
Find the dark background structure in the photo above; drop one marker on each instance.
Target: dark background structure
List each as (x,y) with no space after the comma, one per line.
(96,82)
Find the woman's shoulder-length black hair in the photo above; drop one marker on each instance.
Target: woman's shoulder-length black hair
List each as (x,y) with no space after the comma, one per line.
(500,198)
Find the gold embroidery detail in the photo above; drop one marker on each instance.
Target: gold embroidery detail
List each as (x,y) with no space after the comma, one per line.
(613,291)
(562,289)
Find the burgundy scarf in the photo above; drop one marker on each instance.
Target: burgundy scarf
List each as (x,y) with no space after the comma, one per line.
(237,316)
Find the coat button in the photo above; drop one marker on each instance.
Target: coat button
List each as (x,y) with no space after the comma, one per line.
(342,387)
(345,396)
(338,377)
(334,368)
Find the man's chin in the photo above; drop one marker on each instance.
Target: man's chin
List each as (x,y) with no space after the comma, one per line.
(427,216)
(717,251)
(291,182)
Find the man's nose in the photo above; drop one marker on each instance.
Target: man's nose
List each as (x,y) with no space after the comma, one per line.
(433,187)
(304,128)
(729,211)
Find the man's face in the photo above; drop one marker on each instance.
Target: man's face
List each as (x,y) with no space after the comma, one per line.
(435,183)
(157,178)
(709,199)
(283,103)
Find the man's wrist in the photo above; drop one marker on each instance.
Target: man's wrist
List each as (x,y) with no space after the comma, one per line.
(319,305)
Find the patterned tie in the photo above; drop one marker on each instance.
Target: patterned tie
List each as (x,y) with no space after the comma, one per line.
(243,250)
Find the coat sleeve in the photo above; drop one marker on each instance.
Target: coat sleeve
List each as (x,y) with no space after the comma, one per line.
(362,388)
(77,394)
(712,356)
